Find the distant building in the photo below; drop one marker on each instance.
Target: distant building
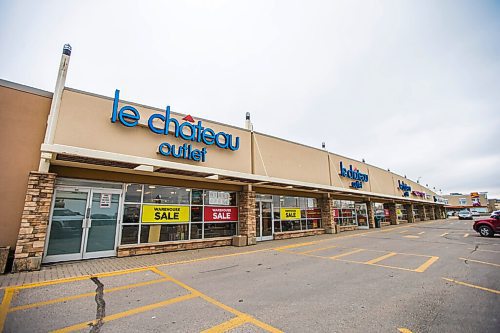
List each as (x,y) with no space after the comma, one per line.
(493,204)
(477,201)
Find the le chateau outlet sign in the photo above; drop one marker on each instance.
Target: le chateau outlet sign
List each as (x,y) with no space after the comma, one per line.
(358,177)
(129,116)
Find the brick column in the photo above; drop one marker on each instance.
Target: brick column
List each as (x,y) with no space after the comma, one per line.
(393,217)
(421,212)
(409,213)
(247,224)
(327,216)
(34,222)
(370,209)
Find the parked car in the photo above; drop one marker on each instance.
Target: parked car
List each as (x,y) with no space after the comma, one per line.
(475,213)
(495,213)
(488,227)
(450,214)
(464,215)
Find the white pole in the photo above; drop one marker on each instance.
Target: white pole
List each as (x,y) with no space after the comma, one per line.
(54,107)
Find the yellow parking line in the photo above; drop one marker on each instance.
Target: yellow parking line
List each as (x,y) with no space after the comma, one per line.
(442,235)
(79,278)
(411,236)
(126,271)
(73,297)
(404,330)
(320,249)
(473,286)
(7,298)
(404,231)
(388,255)
(466,235)
(422,232)
(223,306)
(227,325)
(293,246)
(346,253)
(481,262)
(127,313)
(426,264)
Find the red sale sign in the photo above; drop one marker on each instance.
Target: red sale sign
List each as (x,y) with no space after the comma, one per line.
(220,214)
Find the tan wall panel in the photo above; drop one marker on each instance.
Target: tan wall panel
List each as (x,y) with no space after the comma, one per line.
(85,121)
(23,117)
(383,181)
(283,159)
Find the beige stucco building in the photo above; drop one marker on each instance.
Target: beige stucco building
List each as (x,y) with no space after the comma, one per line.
(89,176)
(477,201)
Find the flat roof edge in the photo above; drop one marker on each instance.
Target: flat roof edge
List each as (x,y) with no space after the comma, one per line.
(24,88)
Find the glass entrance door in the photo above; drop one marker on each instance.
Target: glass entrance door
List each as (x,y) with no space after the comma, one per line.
(83,224)
(361,215)
(101,226)
(264,221)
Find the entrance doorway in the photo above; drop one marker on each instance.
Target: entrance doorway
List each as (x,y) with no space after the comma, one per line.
(361,215)
(264,220)
(83,224)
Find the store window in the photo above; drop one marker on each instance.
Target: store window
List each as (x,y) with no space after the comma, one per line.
(154,213)
(381,215)
(344,213)
(304,213)
(401,212)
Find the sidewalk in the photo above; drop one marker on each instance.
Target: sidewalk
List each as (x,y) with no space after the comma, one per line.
(103,265)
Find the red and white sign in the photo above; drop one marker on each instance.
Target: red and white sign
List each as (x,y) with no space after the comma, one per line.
(220,214)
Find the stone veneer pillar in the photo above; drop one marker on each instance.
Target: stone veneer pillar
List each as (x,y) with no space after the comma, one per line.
(327,214)
(409,213)
(370,209)
(393,216)
(34,222)
(433,213)
(421,212)
(247,225)
(441,214)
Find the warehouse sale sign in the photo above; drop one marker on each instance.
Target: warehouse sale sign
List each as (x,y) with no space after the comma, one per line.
(290,214)
(220,214)
(164,214)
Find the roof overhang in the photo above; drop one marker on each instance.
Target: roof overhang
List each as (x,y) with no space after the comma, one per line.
(66,155)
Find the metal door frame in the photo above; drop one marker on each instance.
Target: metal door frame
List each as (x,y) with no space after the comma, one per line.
(85,225)
(109,253)
(356,214)
(260,238)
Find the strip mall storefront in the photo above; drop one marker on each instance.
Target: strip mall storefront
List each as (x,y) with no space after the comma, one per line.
(116,178)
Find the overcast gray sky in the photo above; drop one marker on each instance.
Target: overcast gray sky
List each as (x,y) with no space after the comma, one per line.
(413,86)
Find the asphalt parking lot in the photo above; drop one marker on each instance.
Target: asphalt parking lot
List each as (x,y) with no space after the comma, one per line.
(435,276)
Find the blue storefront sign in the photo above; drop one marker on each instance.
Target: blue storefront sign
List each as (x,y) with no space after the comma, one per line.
(129,116)
(404,187)
(358,177)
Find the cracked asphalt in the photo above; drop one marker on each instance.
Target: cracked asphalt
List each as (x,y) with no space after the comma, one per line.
(436,276)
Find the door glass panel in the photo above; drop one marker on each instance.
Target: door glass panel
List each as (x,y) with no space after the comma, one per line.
(267,219)
(66,225)
(362,215)
(257,220)
(103,215)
